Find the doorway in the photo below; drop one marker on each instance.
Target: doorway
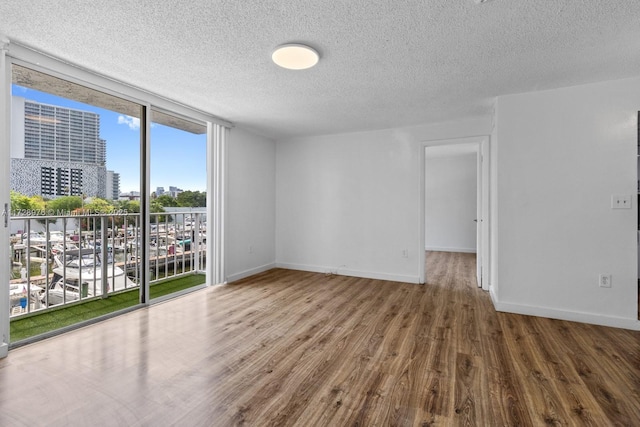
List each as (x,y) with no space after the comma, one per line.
(455,201)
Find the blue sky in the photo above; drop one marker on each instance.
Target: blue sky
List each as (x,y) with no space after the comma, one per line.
(178,158)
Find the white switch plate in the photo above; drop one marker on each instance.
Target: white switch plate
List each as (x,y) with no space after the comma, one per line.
(620,201)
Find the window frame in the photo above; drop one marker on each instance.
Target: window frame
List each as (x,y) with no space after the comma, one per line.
(216,129)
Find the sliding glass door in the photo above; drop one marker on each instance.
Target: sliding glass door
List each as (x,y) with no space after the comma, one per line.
(106,192)
(75,192)
(178,209)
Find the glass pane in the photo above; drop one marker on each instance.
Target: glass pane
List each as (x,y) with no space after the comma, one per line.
(75,172)
(178,172)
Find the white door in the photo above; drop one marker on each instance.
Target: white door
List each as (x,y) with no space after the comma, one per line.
(479,220)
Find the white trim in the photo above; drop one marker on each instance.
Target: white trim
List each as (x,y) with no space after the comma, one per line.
(443,249)
(5,144)
(250,272)
(353,273)
(486,228)
(223,132)
(572,316)
(211,204)
(145,201)
(479,215)
(216,201)
(422,200)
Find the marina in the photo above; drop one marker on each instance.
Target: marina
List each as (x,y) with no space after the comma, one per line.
(55,267)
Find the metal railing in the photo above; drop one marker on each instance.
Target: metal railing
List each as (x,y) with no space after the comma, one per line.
(62,259)
(177,244)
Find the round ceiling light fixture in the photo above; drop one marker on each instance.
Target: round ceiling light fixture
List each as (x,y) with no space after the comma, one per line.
(295,56)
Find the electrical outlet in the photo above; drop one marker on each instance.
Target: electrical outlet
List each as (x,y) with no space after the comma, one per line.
(405,253)
(250,249)
(605,280)
(620,202)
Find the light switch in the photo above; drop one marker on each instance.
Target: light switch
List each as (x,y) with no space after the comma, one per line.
(620,202)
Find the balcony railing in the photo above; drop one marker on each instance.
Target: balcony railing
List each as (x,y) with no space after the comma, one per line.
(62,259)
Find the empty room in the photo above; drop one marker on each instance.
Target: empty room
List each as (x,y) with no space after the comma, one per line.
(278,213)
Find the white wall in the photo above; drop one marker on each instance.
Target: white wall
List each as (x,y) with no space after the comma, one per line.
(351,202)
(561,154)
(250,214)
(451,202)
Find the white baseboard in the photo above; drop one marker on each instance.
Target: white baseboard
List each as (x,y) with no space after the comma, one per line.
(447,249)
(250,272)
(352,273)
(572,316)
(4,350)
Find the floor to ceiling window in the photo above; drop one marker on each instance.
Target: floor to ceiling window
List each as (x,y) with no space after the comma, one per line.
(108,192)
(178,183)
(75,193)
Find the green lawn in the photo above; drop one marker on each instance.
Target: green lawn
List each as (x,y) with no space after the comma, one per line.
(40,323)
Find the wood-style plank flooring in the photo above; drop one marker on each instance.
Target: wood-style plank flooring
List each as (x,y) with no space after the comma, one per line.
(288,348)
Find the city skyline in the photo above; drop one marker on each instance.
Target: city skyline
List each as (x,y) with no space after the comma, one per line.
(178,158)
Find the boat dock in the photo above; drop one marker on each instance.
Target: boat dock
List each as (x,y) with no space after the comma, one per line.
(130,267)
(162,261)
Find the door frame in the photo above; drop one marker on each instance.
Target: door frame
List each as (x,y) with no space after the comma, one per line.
(5,202)
(483,249)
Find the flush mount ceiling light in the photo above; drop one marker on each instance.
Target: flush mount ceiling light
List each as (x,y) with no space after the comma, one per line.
(295,56)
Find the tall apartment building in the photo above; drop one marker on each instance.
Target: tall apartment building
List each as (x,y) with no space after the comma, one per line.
(113,185)
(57,151)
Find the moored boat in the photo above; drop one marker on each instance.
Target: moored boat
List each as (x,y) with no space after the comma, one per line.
(78,273)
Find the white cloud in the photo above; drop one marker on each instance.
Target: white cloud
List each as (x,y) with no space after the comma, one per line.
(132,122)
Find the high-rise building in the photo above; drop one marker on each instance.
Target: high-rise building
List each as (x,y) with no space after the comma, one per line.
(62,134)
(113,185)
(57,151)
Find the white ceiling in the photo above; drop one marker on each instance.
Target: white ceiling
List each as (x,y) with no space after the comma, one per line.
(384,63)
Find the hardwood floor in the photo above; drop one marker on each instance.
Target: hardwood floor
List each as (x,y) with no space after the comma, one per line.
(293,348)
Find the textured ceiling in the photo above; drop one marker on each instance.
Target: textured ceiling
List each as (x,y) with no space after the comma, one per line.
(383,63)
